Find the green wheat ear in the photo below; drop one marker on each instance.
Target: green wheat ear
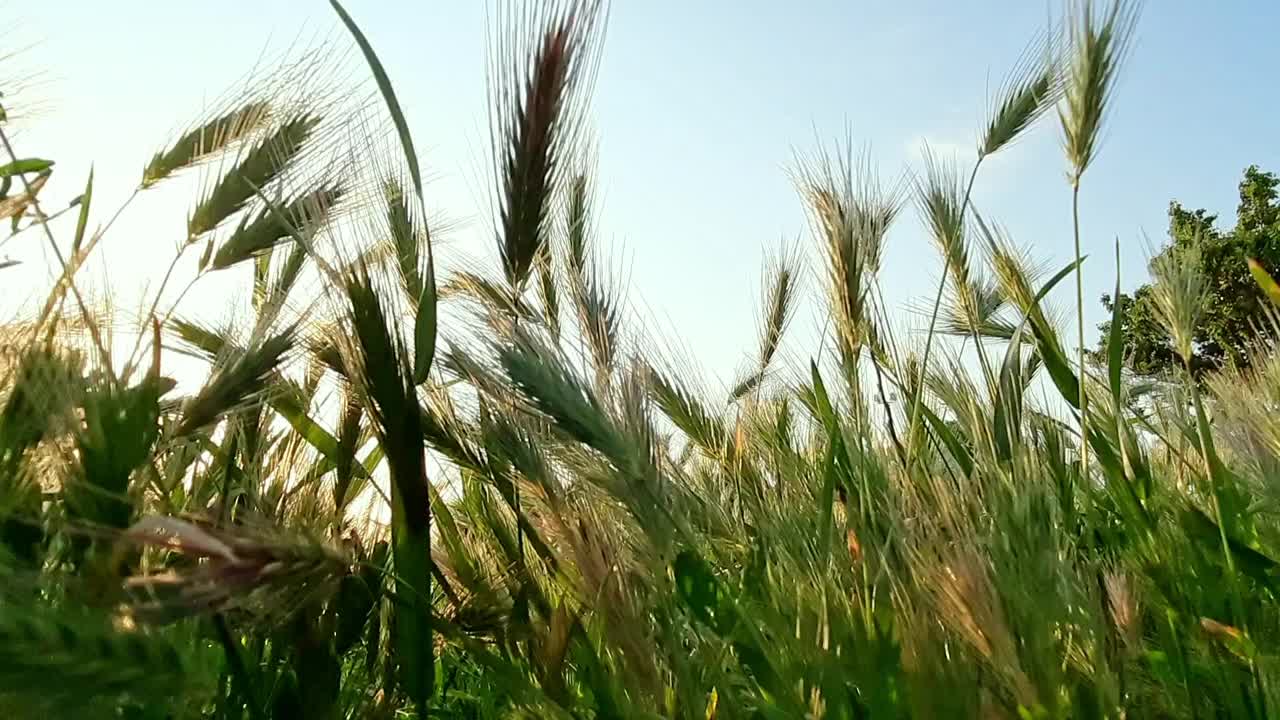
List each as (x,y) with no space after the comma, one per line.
(1031,89)
(270,227)
(780,281)
(408,236)
(1178,296)
(255,170)
(688,413)
(237,381)
(543,83)
(593,298)
(206,140)
(850,211)
(1097,47)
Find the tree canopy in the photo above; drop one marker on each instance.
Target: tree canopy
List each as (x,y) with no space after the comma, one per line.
(1234,304)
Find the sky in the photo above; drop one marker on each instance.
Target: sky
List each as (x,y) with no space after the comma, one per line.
(700,108)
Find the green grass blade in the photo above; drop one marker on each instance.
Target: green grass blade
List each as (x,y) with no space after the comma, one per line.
(1049,347)
(388,94)
(958,451)
(1115,342)
(287,405)
(822,401)
(425,322)
(26,165)
(1115,362)
(1220,480)
(1006,421)
(82,222)
(424,330)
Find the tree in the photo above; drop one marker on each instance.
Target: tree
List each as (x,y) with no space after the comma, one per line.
(1234,306)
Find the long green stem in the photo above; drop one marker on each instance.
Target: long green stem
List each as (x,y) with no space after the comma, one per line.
(933,321)
(1084,396)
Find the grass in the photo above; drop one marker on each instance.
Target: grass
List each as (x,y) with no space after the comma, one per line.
(504,500)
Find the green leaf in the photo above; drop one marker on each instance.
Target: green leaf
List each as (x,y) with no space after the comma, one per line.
(710,602)
(424,330)
(29,165)
(1052,282)
(1006,421)
(957,449)
(1229,508)
(827,498)
(287,405)
(388,94)
(1050,349)
(425,323)
(700,591)
(82,221)
(1121,467)
(822,401)
(1057,364)
(1261,568)
(1265,281)
(1115,342)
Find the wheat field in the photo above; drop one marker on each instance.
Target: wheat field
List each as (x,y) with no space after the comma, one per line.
(410,488)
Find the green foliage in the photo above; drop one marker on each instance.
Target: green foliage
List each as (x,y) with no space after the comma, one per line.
(1235,309)
(65,664)
(28,165)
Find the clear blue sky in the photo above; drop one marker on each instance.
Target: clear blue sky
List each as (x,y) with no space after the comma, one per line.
(699,107)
